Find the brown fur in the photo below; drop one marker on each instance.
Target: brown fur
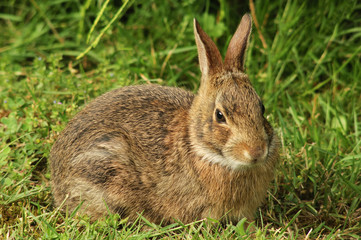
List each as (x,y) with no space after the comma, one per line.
(163,152)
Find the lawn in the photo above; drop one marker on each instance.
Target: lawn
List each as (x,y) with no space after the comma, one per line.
(303,60)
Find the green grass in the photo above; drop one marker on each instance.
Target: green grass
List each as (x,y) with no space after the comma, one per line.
(303,59)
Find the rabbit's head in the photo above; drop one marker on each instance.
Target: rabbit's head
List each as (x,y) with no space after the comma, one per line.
(228,126)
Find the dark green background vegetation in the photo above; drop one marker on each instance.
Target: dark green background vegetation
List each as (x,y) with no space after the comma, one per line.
(303,59)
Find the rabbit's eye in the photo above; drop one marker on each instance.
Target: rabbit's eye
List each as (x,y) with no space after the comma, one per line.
(220,117)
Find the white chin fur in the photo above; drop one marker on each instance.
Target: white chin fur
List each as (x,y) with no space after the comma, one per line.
(213,157)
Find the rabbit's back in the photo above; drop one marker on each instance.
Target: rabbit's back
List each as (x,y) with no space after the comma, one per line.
(145,111)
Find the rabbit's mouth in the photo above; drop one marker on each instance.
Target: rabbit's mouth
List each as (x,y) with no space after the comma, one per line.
(229,159)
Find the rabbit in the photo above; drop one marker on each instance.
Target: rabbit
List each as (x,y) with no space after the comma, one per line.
(168,154)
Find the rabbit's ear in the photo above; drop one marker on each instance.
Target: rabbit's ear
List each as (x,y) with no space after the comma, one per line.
(236,51)
(210,60)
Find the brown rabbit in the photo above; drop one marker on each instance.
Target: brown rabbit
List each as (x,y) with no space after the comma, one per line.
(168,154)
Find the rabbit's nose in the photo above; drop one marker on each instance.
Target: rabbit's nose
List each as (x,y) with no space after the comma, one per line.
(255,154)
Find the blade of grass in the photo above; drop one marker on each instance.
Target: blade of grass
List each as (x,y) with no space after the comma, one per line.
(285,228)
(119,13)
(100,14)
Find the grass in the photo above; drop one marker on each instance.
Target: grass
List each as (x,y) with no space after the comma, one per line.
(303,59)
